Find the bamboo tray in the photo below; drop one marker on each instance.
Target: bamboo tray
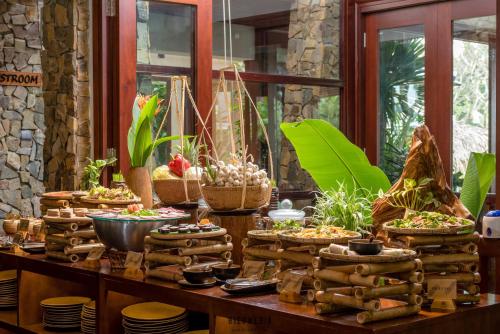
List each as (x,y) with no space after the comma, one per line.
(409,255)
(86,199)
(49,219)
(199,235)
(285,235)
(264,235)
(428,231)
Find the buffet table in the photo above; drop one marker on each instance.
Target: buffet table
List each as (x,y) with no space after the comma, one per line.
(39,278)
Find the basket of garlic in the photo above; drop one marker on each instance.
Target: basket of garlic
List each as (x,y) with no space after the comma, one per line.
(224,188)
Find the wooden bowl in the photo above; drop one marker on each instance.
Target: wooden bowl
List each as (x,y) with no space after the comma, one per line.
(366,246)
(197,275)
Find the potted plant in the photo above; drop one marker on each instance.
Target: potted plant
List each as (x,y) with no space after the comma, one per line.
(141,146)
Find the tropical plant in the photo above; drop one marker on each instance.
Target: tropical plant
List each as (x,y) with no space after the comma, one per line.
(331,159)
(415,195)
(402,73)
(477,181)
(190,149)
(140,135)
(118,177)
(350,209)
(92,172)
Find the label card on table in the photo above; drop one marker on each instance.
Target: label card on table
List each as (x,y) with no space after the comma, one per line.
(24,225)
(443,292)
(290,286)
(133,264)
(93,257)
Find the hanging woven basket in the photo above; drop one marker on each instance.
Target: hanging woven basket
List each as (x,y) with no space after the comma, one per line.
(173,192)
(229,198)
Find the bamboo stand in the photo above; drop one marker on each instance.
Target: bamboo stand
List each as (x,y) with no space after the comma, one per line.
(360,284)
(447,257)
(164,259)
(69,239)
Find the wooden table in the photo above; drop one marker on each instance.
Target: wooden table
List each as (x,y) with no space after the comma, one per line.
(40,278)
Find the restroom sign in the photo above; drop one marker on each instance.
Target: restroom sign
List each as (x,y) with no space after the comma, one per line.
(27,79)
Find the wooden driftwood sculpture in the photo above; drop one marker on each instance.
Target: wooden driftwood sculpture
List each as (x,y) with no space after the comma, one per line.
(423,161)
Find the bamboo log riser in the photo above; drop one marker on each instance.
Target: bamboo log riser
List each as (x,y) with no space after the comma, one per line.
(412,299)
(54,247)
(387,291)
(213,249)
(412,276)
(385,314)
(81,249)
(349,279)
(300,258)
(61,256)
(348,301)
(414,241)
(323,308)
(384,268)
(321,285)
(168,243)
(472,278)
(163,275)
(56,228)
(169,259)
(60,239)
(250,242)
(449,259)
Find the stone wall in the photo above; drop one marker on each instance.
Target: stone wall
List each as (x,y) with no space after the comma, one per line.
(313,51)
(65,60)
(21,110)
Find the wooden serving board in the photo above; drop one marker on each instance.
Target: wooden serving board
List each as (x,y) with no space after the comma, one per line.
(198,235)
(58,195)
(408,255)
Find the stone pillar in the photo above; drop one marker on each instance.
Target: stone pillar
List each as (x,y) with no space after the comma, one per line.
(65,59)
(21,111)
(313,51)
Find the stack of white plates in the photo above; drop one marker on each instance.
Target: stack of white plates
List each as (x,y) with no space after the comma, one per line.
(63,312)
(8,288)
(153,317)
(88,318)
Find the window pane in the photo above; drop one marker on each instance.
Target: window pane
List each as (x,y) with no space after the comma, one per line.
(401,94)
(289,37)
(276,103)
(473,91)
(165,35)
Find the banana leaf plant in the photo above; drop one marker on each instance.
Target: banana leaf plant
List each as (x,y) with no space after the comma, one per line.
(477,181)
(141,143)
(331,159)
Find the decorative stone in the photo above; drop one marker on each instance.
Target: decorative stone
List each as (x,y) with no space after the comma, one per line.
(8,39)
(28,122)
(15,128)
(61,16)
(24,151)
(12,143)
(4,184)
(19,45)
(26,192)
(24,176)
(39,137)
(2,131)
(19,20)
(13,161)
(5,208)
(35,59)
(4,102)
(33,167)
(16,8)
(14,184)
(21,93)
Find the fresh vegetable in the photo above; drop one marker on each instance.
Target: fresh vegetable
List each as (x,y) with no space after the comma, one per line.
(416,195)
(190,150)
(178,165)
(349,210)
(322,232)
(140,213)
(232,175)
(103,193)
(118,177)
(140,134)
(287,224)
(92,172)
(426,219)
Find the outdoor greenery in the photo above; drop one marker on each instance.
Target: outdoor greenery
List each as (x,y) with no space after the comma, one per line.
(402,71)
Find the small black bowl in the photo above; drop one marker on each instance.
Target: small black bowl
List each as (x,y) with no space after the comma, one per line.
(197,275)
(366,246)
(224,272)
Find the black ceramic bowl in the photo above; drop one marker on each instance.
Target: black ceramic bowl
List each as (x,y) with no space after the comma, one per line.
(224,272)
(197,275)
(366,246)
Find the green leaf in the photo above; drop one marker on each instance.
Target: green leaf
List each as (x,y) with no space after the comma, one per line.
(142,142)
(331,158)
(477,181)
(163,140)
(132,130)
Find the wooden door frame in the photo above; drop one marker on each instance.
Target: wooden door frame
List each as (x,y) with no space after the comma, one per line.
(115,59)
(357,10)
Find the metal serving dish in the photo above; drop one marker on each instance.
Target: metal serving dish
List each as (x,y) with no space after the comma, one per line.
(127,233)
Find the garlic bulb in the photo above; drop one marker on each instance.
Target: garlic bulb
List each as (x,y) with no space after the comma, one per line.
(235,175)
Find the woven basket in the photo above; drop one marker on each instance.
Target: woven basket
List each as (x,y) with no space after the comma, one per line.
(229,198)
(173,191)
